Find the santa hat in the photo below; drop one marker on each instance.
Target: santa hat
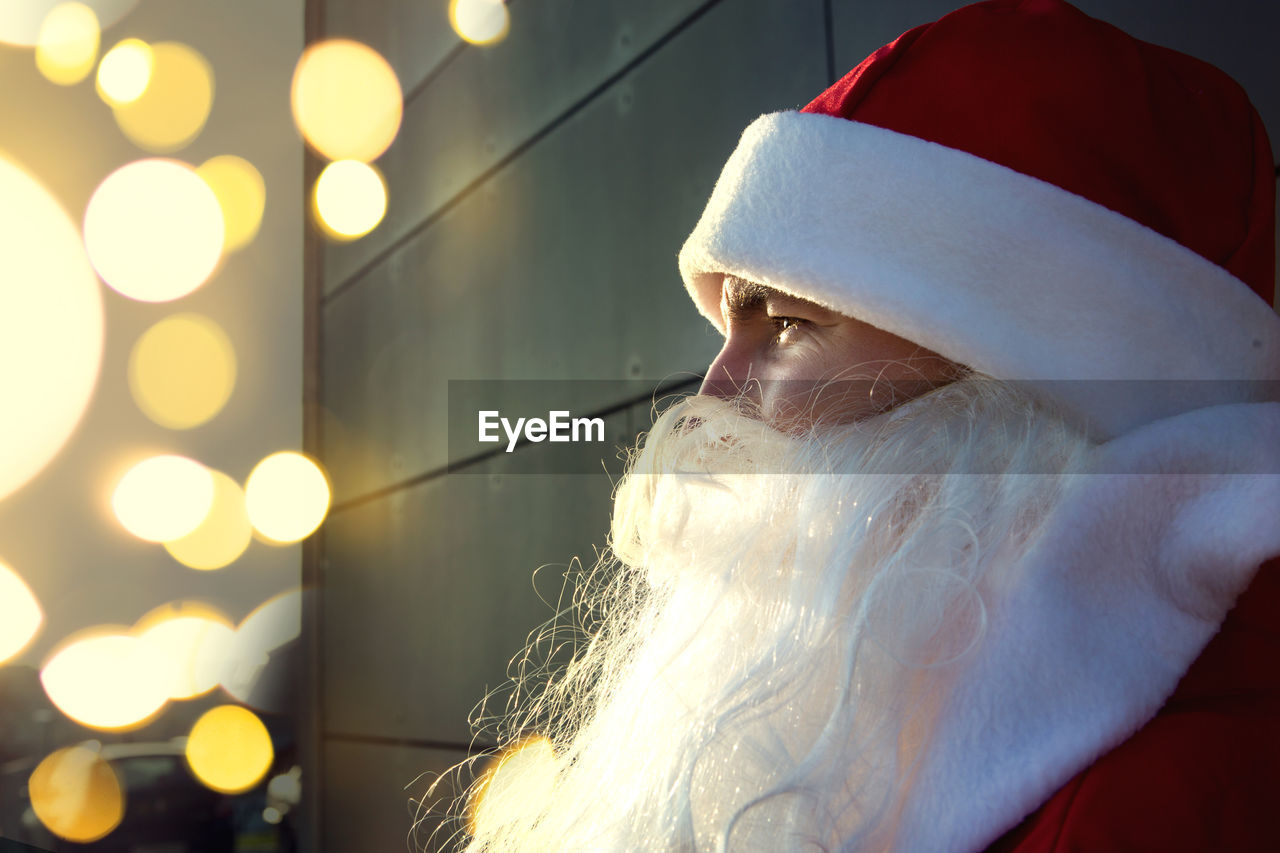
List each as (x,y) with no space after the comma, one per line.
(1028,191)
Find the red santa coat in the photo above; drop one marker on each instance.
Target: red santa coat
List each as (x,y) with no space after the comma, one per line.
(1203,774)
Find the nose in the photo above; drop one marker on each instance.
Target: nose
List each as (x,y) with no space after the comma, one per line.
(730,375)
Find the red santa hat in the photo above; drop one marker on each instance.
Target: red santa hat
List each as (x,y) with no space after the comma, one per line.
(1028,191)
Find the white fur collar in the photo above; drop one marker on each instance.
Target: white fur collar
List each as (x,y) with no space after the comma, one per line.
(1091,631)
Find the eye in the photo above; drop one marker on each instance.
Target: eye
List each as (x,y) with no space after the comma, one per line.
(785,328)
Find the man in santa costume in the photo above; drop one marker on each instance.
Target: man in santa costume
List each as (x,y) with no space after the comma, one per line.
(964,545)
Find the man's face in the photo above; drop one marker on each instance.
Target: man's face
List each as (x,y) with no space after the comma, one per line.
(802,363)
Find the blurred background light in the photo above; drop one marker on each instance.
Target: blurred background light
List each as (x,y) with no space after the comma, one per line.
(479,21)
(242,193)
(76,794)
(124,72)
(153,230)
(229,749)
(197,640)
(224,534)
(522,773)
(172,110)
(350,199)
(182,371)
(51,327)
(20,614)
(108,679)
(20,20)
(271,626)
(163,497)
(68,43)
(287,496)
(346,100)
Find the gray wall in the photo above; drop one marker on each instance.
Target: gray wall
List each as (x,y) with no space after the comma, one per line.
(540,189)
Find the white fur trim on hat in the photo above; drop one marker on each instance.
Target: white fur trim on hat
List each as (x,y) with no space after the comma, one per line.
(1005,273)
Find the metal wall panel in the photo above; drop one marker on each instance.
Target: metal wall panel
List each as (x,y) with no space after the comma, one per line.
(429,592)
(375,796)
(562,265)
(415,37)
(490,100)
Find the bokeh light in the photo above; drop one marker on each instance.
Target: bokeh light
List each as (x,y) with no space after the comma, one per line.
(242,193)
(182,371)
(76,794)
(224,534)
(197,640)
(229,749)
(522,773)
(272,625)
(173,109)
(346,100)
(163,497)
(68,43)
(153,230)
(350,199)
(125,72)
(479,21)
(108,679)
(51,327)
(287,496)
(20,20)
(20,614)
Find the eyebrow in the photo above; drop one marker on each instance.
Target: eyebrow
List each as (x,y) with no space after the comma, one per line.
(742,297)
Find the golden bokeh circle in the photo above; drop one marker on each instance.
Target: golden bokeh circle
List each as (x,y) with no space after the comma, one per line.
(229,749)
(224,534)
(480,21)
(346,100)
(51,327)
(163,497)
(241,192)
(173,109)
(20,614)
(76,794)
(68,43)
(287,496)
(153,230)
(182,371)
(125,72)
(108,679)
(350,199)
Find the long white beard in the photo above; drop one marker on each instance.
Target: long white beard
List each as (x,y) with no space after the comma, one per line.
(778,623)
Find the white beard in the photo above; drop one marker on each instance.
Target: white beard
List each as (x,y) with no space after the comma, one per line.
(780,621)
